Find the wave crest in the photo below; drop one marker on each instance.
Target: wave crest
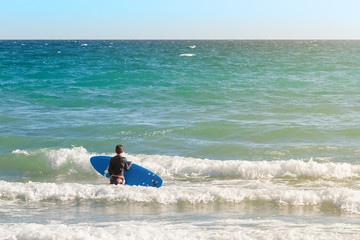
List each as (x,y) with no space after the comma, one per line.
(162,229)
(194,167)
(344,198)
(76,159)
(187,55)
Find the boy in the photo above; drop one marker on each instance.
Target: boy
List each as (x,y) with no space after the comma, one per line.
(117,166)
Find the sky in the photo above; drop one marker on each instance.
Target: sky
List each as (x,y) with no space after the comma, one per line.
(179,19)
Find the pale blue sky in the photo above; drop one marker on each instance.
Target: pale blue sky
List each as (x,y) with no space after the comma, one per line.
(179,19)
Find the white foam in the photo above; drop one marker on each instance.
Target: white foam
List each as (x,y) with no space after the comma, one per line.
(314,194)
(192,47)
(162,229)
(76,155)
(187,55)
(18,151)
(170,166)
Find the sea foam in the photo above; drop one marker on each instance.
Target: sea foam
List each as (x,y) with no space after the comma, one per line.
(344,198)
(78,157)
(192,167)
(187,55)
(175,166)
(147,230)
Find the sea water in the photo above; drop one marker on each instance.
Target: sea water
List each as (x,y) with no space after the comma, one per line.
(254,139)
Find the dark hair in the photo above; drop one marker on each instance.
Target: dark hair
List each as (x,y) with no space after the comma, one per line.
(119,149)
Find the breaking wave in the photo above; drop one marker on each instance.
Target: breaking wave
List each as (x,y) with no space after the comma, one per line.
(67,175)
(187,55)
(76,160)
(317,194)
(161,229)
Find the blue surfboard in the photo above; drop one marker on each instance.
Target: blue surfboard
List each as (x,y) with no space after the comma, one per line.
(137,175)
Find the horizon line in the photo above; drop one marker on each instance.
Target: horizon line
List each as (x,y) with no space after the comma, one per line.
(181,39)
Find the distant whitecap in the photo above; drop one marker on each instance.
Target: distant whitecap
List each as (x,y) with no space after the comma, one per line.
(18,151)
(187,55)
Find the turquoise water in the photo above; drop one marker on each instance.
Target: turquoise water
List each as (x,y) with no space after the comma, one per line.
(254,139)
(231,100)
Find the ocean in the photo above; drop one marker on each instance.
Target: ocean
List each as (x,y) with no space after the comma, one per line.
(254,139)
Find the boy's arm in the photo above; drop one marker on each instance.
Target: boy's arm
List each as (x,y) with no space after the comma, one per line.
(127,165)
(109,168)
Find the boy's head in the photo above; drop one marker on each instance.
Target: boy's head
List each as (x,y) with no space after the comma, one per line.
(119,149)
